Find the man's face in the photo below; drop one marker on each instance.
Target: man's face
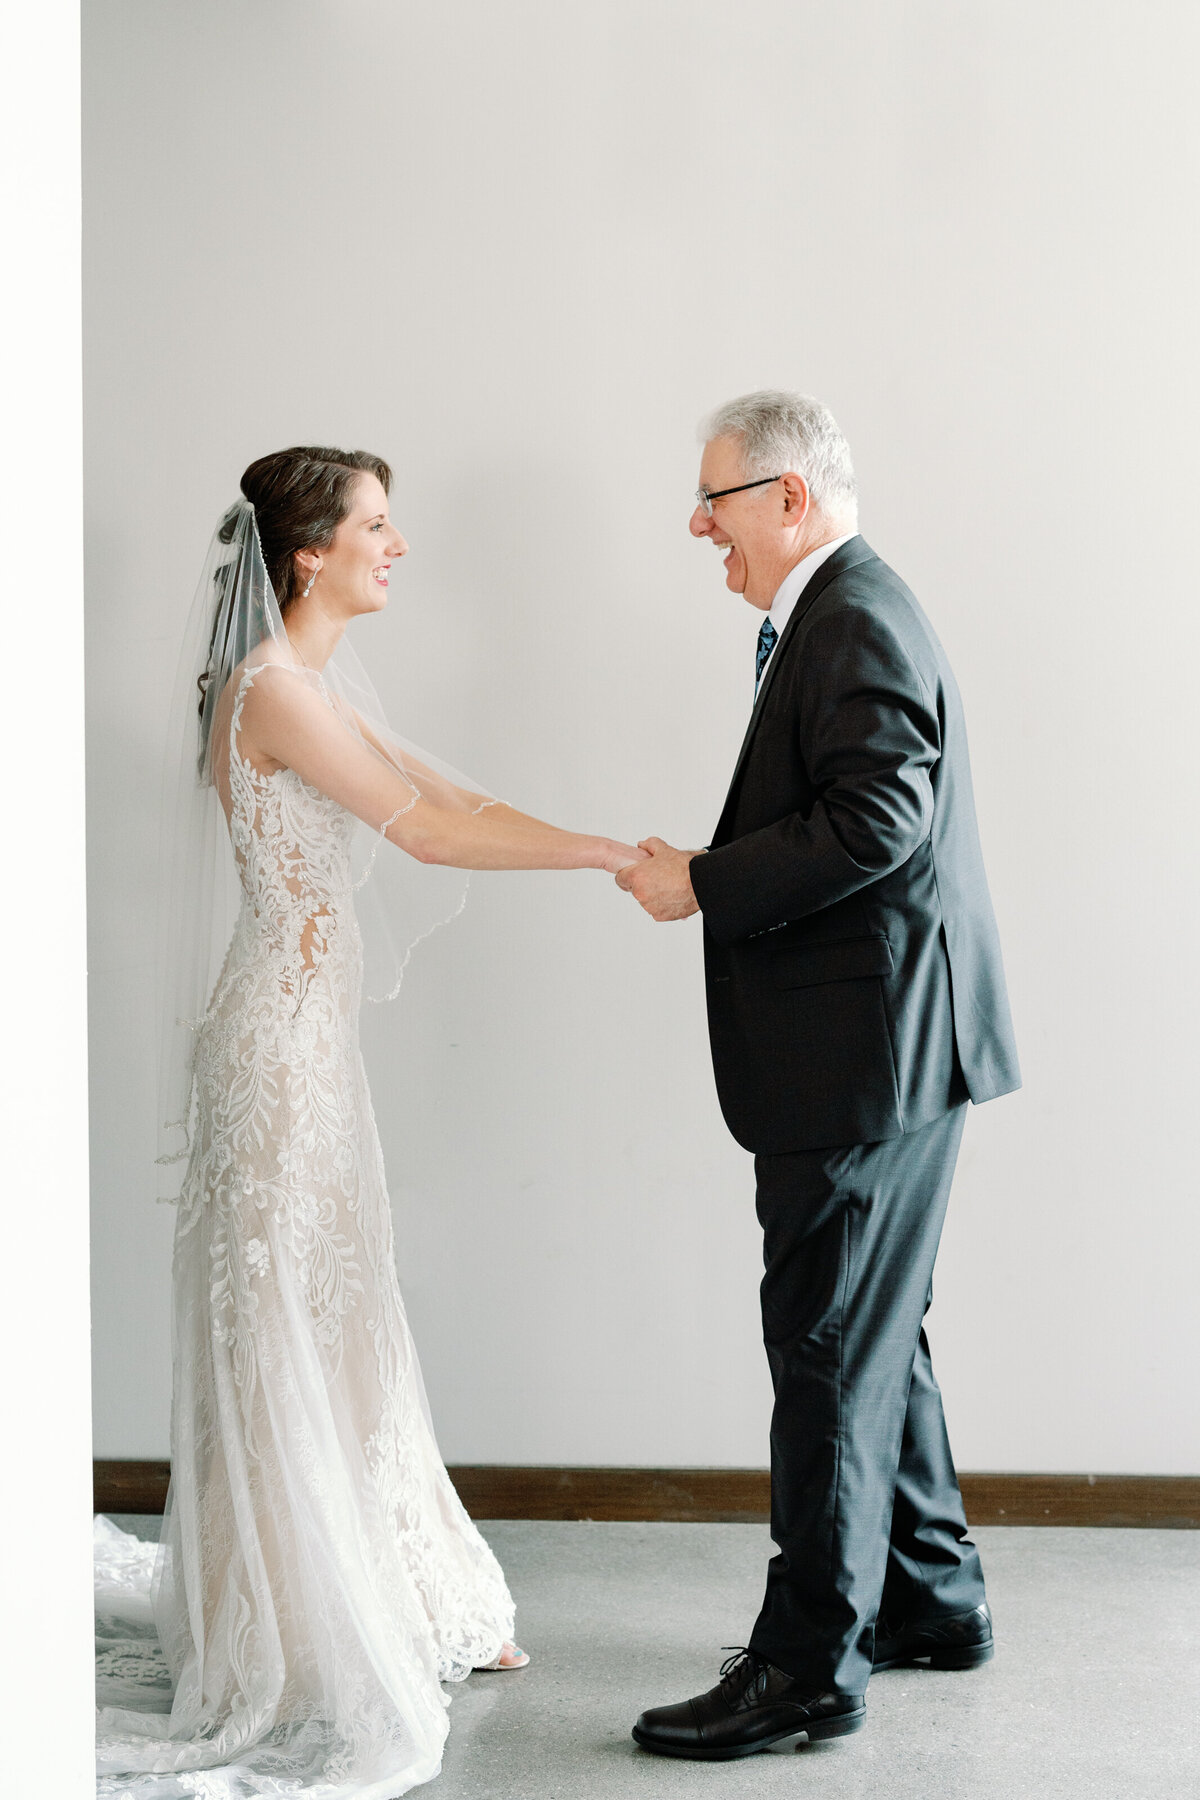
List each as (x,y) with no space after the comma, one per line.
(754,531)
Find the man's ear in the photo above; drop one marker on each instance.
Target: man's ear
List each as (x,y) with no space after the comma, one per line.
(795,498)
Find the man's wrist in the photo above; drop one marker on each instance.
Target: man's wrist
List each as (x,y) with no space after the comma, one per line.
(695,855)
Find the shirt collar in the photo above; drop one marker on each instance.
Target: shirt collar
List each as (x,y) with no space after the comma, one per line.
(797,579)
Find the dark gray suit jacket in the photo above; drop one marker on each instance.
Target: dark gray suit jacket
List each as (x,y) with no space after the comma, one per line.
(855,988)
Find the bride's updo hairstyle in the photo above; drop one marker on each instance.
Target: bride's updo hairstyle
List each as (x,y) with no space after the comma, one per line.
(300,497)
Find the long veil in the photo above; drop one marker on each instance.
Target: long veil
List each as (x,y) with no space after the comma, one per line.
(235,620)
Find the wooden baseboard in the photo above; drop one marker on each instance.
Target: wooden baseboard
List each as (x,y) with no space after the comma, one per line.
(1168,1502)
(714,1496)
(129,1487)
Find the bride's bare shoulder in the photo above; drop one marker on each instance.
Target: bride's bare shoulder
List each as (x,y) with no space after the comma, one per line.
(283,713)
(266,681)
(265,688)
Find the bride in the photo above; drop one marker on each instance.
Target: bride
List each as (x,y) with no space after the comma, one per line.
(317,1577)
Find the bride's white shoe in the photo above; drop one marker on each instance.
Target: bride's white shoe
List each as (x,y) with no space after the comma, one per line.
(507,1657)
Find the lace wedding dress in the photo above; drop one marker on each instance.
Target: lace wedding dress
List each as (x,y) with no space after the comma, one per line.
(317,1577)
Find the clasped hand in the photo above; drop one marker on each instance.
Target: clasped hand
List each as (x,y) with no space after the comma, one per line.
(661,882)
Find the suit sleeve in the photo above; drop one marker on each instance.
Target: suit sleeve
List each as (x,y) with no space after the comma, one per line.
(868,731)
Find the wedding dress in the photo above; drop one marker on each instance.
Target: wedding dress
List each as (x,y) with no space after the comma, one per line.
(317,1577)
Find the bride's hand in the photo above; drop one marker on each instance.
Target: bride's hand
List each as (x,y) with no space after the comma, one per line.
(620,856)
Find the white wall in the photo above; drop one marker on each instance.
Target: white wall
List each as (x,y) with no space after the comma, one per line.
(519,250)
(45,1498)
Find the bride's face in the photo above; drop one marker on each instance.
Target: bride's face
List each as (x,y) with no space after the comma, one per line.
(353,573)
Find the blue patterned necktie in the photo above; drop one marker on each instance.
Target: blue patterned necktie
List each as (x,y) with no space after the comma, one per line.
(767,639)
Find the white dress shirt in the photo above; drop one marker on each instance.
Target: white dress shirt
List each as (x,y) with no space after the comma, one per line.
(793,585)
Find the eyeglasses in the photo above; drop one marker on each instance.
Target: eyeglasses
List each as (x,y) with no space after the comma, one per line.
(706,499)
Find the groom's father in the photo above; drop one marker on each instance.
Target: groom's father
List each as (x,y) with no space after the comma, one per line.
(856,1002)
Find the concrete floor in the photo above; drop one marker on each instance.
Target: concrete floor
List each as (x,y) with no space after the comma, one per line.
(1094,1690)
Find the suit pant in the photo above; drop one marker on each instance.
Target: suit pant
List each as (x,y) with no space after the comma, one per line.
(865,1507)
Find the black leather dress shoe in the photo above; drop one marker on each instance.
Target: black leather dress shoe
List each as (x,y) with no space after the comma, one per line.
(753,1707)
(959,1641)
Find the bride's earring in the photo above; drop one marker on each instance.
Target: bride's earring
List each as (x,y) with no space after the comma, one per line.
(308,589)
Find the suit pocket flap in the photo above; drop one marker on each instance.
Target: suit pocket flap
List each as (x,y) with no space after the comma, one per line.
(839,959)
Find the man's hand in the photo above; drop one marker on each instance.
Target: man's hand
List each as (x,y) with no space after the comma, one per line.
(663,884)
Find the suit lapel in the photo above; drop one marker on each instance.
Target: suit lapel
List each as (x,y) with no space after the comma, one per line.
(848,557)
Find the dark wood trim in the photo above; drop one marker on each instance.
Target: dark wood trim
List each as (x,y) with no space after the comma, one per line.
(712,1496)
(695,1496)
(129,1487)
(1169,1502)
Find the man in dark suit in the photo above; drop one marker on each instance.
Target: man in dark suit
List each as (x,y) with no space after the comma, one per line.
(856,1002)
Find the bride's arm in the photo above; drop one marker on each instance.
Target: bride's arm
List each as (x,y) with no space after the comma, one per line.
(435,787)
(286,722)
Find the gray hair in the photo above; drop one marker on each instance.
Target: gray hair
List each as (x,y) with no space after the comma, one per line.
(780,432)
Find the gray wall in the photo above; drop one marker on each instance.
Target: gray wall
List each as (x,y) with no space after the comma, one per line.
(519,250)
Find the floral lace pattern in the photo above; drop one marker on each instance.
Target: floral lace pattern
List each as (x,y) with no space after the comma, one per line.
(318,1577)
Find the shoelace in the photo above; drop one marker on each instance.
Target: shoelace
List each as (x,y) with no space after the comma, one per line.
(740,1653)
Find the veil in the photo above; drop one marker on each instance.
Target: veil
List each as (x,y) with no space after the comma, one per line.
(235,620)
